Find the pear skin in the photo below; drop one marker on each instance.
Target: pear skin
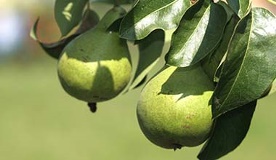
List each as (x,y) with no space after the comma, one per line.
(174,110)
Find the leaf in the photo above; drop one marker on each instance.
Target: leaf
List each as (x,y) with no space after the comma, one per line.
(115,1)
(229,131)
(54,49)
(150,50)
(213,61)
(89,20)
(240,7)
(112,18)
(148,15)
(270,90)
(68,14)
(229,11)
(198,34)
(143,81)
(250,65)
(272,1)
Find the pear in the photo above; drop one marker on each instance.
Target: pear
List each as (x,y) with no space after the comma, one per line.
(174,107)
(96,66)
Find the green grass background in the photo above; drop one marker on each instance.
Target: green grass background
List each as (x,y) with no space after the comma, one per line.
(39,121)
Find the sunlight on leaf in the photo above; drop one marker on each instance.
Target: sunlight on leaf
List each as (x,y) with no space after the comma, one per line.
(198,34)
(68,14)
(148,15)
(67,10)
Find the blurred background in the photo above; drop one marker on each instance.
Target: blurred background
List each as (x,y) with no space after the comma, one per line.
(38,120)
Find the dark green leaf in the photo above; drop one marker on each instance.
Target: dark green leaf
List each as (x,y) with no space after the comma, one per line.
(229,131)
(90,19)
(213,61)
(148,15)
(198,34)
(68,14)
(250,65)
(228,10)
(112,18)
(150,50)
(240,7)
(143,81)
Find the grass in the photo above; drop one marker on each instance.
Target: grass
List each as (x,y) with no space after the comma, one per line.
(39,121)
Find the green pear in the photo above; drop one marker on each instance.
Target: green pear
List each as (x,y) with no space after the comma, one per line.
(96,66)
(174,107)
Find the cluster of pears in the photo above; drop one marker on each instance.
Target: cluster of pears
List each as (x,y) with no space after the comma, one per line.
(96,65)
(174,108)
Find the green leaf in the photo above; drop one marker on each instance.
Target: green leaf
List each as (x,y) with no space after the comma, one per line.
(68,14)
(143,81)
(250,65)
(198,34)
(240,7)
(150,50)
(148,15)
(228,10)
(229,131)
(115,1)
(90,19)
(214,60)
(112,18)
